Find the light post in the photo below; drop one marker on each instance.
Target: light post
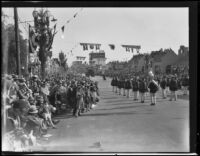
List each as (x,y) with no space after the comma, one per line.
(44,36)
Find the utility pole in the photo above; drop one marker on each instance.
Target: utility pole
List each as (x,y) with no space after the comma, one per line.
(17,42)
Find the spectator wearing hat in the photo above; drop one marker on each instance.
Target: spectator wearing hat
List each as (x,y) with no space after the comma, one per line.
(173,87)
(93,93)
(17,113)
(35,123)
(87,99)
(163,85)
(47,114)
(80,102)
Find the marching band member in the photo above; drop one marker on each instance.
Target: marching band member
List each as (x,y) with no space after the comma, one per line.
(128,87)
(135,87)
(173,87)
(153,87)
(142,89)
(163,85)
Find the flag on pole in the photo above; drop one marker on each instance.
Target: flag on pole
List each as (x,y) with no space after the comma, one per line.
(63,29)
(97,46)
(75,15)
(112,46)
(91,46)
(54,26)
(132,50)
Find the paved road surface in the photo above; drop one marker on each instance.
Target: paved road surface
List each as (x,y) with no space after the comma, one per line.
(118,124)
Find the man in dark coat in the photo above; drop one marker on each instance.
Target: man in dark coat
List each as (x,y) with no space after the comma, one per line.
(142,89)
(128,87)
(73,99)
(163,85)
(79,100)
(173,87)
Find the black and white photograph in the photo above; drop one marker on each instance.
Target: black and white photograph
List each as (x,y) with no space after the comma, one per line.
(95,79)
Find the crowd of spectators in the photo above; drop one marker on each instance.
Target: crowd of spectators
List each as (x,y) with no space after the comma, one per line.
(30,106)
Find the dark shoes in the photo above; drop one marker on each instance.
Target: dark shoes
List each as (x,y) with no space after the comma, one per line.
(142,101)
(152,104)
(56,121)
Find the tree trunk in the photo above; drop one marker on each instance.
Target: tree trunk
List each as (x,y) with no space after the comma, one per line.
(42,60)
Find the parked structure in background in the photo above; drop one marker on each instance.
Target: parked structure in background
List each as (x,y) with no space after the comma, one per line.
(160,61)
(98,59)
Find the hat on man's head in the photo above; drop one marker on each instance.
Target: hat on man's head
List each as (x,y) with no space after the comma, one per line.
(33,110)
(39,97)
(151,74)
(20,104)
(14,76)
(22,80)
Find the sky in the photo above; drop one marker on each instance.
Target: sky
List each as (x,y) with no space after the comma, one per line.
(151,28)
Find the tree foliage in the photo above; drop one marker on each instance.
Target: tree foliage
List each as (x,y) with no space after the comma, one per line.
(9,53)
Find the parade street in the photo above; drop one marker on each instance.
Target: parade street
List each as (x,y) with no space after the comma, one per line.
(119,124)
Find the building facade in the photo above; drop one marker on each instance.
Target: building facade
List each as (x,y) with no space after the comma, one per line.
(98,59)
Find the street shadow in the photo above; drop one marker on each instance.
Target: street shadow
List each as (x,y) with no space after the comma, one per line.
(116,113)
(117,101)
(124,107)
(107,98)
(63,115)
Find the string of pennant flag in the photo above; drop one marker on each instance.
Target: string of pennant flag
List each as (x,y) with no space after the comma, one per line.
(92,46)
(68,21)
(96,46)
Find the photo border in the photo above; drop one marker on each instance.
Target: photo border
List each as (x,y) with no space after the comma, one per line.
(193,30)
